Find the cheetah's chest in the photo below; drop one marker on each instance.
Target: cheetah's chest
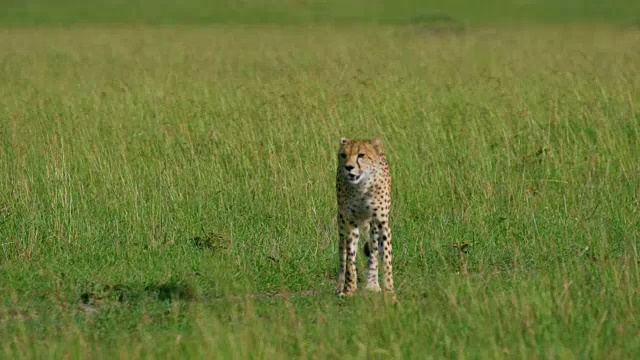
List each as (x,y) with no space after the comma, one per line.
(359,202)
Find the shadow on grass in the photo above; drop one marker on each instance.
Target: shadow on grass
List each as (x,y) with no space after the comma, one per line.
(98,296)
(173,290)
(211,241)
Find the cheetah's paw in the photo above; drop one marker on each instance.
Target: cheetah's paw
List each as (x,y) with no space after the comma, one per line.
(373,288)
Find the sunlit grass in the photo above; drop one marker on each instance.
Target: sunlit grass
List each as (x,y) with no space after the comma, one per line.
(514,157)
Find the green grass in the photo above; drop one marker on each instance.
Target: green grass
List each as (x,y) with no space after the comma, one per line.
(118,147)
(66,12)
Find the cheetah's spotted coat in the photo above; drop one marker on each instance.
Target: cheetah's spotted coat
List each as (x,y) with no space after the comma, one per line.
(363,187)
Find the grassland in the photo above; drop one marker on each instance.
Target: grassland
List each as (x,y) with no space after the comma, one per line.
(189,12)
(168,192)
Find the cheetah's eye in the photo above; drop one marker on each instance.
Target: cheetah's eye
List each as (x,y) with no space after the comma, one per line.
(343,155)
(360,156)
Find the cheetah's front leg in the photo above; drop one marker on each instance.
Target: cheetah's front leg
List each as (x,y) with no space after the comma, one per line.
(342,254)
(351,281)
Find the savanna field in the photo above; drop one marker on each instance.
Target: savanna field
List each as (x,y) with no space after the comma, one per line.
(167,178)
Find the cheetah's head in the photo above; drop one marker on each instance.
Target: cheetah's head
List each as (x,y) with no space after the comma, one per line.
(356,158)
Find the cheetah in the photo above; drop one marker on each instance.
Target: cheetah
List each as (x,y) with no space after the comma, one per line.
(363,189)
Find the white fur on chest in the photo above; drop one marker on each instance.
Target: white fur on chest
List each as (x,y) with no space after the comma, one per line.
(358,203)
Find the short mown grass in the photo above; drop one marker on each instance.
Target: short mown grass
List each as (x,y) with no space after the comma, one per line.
(169,192)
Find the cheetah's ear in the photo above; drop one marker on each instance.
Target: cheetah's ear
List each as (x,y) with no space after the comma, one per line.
(377,144)
(344,141)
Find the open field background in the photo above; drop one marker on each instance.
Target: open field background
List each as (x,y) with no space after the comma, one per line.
(479,13)
(169,191)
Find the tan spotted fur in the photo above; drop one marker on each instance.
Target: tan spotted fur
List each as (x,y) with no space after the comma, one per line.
(363,187)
